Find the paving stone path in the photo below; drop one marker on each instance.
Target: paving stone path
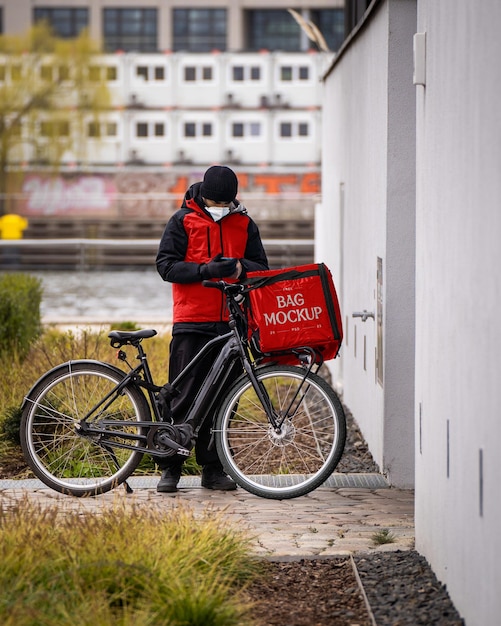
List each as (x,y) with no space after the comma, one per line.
(331,520)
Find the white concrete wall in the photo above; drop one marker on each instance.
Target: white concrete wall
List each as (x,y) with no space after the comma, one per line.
(368,213)
(458,337)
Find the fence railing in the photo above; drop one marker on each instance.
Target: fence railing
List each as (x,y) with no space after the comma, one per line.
(83,253)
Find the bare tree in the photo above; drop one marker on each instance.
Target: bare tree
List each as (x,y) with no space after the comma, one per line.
(51,89)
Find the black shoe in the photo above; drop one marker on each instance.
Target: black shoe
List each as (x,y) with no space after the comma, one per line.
(168,481)
(213,477)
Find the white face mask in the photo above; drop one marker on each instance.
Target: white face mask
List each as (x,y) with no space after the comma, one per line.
(218,212)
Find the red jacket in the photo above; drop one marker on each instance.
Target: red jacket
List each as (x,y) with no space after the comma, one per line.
(191,239)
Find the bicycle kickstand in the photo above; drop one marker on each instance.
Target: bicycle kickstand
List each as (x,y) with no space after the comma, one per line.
(128,488)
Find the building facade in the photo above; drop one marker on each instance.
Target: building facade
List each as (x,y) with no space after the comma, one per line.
(169,25)
(237,83)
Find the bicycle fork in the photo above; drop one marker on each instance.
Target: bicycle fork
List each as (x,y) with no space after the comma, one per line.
(264,398)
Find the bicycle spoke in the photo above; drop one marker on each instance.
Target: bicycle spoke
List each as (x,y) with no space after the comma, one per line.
(69,459)
(296,455)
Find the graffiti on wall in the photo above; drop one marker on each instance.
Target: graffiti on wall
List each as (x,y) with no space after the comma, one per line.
(58,196)
(141,193)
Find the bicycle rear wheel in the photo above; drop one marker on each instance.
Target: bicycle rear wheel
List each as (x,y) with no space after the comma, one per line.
(297,457)
(52,443)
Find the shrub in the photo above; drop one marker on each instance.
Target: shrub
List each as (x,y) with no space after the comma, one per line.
(9,425)
(20,325)
(127,565)
(126,325)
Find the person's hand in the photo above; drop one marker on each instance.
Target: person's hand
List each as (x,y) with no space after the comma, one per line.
(220,267)
(238,271)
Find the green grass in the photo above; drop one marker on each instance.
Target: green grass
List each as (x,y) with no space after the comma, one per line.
(124,566)
(55,347)
(127,566)
(383,536)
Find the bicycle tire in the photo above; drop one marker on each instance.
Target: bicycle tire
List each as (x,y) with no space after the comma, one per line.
(294,461)
(59,456)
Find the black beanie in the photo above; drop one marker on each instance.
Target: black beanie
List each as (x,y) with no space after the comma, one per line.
(220,184)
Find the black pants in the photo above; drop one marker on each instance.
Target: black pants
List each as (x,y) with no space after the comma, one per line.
(183,348)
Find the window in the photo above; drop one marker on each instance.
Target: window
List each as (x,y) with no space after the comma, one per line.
(16,72)
(238,130)
(50,73)
(130,30)
(150,129)
(94,73)
(16,129)
(255,129)
(192,74)
(65,22)
(288,130)
(63,72)
(238,73)
(285,129)
(243,72)
(111,129)
(46,73)
(94,129)
(245,129)
(199,30)
(106,129)
(255,73)
(286,73)
(150,73)
(55,129)
(304,73)
(201,129)
(294,72)
(97,73)
(330,22)
(272,29)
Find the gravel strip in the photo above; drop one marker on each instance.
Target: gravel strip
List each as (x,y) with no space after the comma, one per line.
(399,587)
(356,458)
(402,589)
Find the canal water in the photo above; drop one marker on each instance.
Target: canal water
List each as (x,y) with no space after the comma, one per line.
(105,297)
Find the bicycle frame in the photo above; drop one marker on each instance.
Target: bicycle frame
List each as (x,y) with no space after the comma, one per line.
(266,417)
(232,348)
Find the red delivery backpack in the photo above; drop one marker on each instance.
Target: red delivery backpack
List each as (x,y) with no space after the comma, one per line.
(293,307)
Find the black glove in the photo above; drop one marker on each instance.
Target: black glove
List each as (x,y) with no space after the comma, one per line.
(218,267)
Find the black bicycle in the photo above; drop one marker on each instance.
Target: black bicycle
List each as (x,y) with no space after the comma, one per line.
(279,430)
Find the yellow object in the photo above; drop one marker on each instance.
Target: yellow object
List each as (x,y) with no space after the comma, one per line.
(12,226)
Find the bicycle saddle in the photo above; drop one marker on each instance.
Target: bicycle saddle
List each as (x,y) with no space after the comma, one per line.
(133,337)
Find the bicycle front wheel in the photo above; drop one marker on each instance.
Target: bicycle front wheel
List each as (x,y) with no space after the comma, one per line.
(60,454)
(297,456)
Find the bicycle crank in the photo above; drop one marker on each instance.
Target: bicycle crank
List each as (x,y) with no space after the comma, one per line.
(166,440)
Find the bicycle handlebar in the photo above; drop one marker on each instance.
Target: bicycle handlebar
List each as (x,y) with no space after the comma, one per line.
(223,286)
